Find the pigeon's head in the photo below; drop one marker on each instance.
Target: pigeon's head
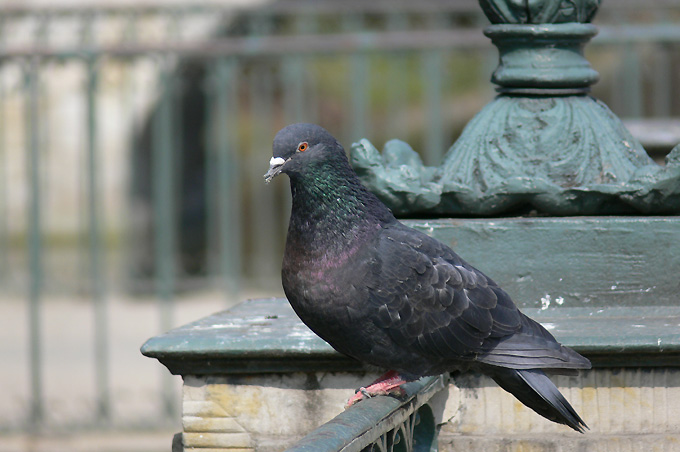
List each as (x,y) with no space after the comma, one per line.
(299,147)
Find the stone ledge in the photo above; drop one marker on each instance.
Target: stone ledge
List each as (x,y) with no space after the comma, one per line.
(606,286)
(265,336)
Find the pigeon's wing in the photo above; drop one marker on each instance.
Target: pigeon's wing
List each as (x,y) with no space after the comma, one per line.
(428,299)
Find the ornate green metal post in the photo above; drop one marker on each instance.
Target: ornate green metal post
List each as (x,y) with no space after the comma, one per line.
(543,144)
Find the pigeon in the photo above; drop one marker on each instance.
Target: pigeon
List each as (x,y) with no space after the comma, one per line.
(393,297)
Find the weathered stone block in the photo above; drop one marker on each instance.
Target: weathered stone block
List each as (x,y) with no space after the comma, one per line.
(623,407)
(261,412)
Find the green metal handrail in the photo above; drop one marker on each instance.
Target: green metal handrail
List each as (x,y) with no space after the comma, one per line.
(381,423)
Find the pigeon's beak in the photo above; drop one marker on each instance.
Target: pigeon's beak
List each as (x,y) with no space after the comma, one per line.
(275,167)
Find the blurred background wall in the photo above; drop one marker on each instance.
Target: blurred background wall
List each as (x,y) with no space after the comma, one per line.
(134,136)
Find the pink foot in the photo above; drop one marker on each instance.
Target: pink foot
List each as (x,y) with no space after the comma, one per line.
(389,383)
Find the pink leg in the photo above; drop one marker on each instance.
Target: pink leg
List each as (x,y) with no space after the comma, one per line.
(388,383)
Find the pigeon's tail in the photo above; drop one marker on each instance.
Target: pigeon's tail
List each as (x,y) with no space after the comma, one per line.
(535,390)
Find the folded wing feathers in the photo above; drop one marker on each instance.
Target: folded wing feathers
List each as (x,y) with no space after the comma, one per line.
(444,307)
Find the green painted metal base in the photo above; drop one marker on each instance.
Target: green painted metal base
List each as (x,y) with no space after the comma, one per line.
(584,262)
(598,168)
(264,336)
(606,286)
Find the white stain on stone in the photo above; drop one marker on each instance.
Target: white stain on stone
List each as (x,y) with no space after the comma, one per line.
(547,300)
(302,333)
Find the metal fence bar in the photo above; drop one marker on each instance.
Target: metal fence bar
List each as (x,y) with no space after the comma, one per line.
(359,81)
(293,78)
(663,84)
(434,130)
(211,173)
(4,195)
(4,229)
(96,257)
(632,87)
(309,23)
(432,75)
(262,201)
(34,246)
(228,178)
(397,79)
(164,213)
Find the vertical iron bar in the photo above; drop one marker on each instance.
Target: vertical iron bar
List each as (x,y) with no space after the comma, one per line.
(615,87)
(164,215)
(631,91)
(432,79)
(397,80)
(293,82)
(228,181)
(310,24)
(131,234)
(210,129)
(35,263)
(4,227)
(95,251)
(634,81)
(434,131)
(663,84)
(86,37)
(293,78)
(263,238)
(359,89)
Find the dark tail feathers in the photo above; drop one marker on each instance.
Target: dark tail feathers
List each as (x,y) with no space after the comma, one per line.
(535,390)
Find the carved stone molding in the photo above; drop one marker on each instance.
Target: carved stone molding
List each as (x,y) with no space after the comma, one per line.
(539,11)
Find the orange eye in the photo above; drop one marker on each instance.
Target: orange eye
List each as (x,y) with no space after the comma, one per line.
(302,147)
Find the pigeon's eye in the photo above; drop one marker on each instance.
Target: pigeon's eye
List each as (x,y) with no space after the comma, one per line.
(302,147)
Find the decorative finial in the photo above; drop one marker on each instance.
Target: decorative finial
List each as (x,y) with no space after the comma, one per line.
(540,44)
(539,11)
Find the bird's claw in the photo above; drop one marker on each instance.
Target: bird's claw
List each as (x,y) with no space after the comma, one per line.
(365,392)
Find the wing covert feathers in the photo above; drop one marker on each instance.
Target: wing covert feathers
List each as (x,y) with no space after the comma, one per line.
(430,300)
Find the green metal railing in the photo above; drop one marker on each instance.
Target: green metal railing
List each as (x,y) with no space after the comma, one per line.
(389,69)
(384,424)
